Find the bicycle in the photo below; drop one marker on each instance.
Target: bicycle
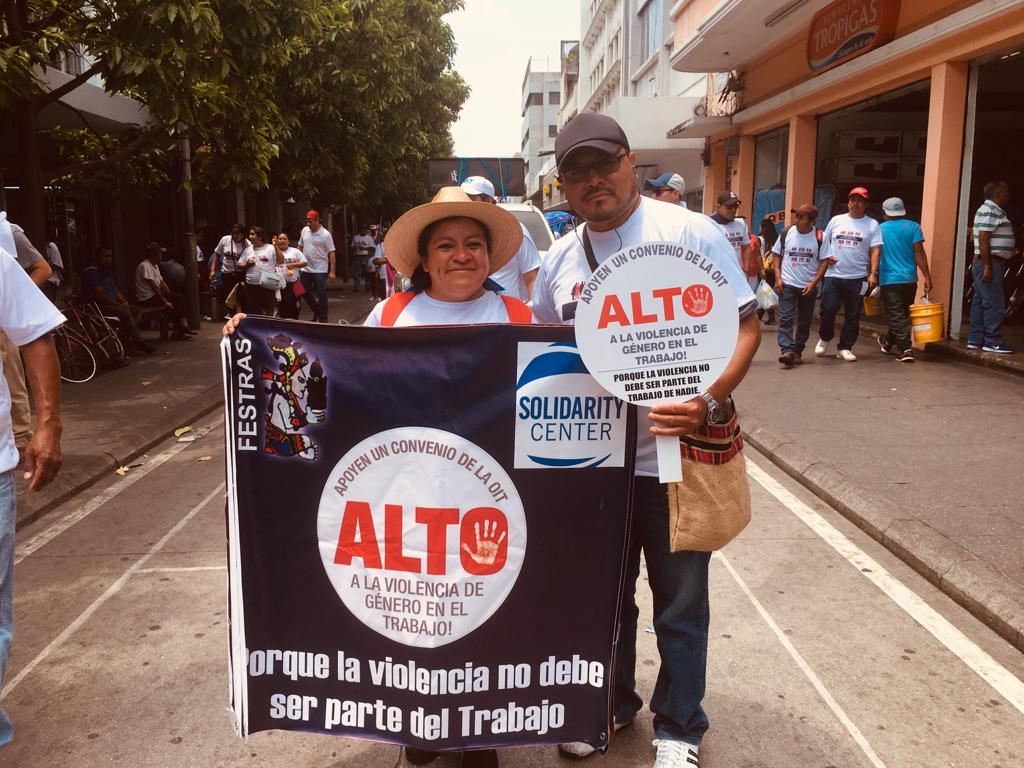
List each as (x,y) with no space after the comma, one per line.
(77,362)
(95,329)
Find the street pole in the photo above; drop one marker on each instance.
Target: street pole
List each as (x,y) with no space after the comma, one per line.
(189,239)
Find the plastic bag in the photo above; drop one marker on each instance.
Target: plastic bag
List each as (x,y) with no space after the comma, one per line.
(766,296)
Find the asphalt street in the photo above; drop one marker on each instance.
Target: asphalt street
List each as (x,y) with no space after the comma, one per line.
(826,650)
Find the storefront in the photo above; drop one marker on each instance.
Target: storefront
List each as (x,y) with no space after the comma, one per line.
(920,99)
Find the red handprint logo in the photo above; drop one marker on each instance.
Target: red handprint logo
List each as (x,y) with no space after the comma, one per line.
(697,300)
(484,538)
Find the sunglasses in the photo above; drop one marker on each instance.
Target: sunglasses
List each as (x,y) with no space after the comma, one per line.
(606,166)
(732,206)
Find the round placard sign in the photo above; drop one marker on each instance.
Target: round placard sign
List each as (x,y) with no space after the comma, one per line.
(657,323)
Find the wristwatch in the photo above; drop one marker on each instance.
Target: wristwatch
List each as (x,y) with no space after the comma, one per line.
(717,412)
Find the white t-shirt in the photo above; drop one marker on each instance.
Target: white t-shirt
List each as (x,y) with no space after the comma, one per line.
(264,257)
(230,252)
(145,274)
(850,241)
(364,246)
(291,256)
(800,262)
(510,276)
(316,247)
(736,233)
(564,271)
(423,310)
(25,315)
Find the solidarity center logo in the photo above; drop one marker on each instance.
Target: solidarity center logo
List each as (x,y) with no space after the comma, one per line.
(564,419)
(422,534)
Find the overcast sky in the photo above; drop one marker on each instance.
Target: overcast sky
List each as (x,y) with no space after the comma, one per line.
(496,38)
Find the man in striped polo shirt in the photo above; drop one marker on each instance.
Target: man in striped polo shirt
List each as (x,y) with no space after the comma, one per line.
(993,246)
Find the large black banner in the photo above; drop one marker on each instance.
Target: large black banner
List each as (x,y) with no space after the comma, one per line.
(426,533)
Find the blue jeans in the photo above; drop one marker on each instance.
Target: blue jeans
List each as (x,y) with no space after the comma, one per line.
(7,507)
(839,292)
(793,305)
(988,307)
(315,284)
(679,585)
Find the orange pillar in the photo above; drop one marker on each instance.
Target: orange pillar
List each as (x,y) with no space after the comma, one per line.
(947,109)
(743,181)
(803,152)
(714,178)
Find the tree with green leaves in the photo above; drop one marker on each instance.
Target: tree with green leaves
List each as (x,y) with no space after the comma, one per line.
(342,99)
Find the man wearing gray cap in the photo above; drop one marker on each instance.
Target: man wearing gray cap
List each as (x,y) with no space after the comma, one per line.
(515,278)
(669,188)
(596,169)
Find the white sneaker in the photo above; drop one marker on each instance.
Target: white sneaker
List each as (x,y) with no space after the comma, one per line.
(820,348)
(846,355)
(675,754)
(577,750)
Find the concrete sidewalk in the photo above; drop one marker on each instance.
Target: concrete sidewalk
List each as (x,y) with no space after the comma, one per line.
(923,456)
(117,416)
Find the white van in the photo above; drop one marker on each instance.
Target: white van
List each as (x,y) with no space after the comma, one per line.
(533,219)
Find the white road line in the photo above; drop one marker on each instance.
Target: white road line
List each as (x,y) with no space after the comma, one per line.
(57,528)
(185,569)
(991,671)
(112,590)
(809,673)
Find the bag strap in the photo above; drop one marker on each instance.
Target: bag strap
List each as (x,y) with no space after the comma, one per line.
(518,312)
(589,249)
(394,306)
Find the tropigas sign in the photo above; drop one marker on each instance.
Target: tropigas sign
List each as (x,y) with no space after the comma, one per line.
(846,29)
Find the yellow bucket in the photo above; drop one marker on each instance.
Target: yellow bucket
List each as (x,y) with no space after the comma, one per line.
(873,306)
(928,322)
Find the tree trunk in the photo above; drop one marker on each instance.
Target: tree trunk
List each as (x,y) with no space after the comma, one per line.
(33,211)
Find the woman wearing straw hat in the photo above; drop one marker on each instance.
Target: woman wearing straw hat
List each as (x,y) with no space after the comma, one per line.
(448,248)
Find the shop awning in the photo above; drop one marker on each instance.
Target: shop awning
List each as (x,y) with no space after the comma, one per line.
(699,127)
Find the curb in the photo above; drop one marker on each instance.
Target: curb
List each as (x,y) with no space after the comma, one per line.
(131,445)
(981,359)
(985,592)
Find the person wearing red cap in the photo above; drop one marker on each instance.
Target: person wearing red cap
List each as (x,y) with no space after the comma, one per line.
(317,248)
(853,243)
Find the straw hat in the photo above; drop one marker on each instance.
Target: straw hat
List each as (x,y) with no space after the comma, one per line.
(401,240)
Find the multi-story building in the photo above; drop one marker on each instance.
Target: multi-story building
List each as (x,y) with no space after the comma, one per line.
(541,102)
(918,99)
(625,72)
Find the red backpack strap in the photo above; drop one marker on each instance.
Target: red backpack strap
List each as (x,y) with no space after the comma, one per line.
(394,306)
(518,312)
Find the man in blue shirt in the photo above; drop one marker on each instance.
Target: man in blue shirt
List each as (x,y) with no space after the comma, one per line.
(902,255)
(98,285)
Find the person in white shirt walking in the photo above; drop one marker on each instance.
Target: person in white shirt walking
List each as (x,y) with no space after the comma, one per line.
(853,243)
(517,277)
(317,246)
(363,246)
(262,258)
(735,231)
(224,271)
(288,306)
(799,268)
